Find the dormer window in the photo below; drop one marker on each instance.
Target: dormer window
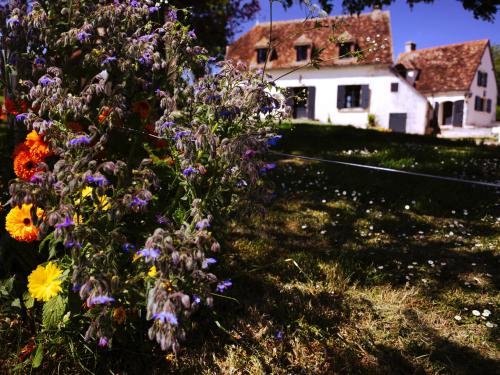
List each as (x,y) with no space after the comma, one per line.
(302,52)
(348,50)
(262,55)
(482,79)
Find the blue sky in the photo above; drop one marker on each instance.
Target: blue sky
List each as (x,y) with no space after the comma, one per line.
(429,25)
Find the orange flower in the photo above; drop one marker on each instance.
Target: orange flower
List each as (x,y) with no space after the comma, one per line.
(19,224)
(142,109)
(25,165)
(38,148)
(119,315)
(104,114)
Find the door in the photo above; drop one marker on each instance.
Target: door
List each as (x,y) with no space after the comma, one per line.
(397,122)
(300,95)
(311,102)
(447,113)
(458,113)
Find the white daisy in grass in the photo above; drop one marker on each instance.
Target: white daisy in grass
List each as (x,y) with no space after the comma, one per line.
(476,313)
(490,325)
(486,312)
(458,318)
(407,207)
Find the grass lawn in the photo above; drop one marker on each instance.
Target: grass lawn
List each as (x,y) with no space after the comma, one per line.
(351,271)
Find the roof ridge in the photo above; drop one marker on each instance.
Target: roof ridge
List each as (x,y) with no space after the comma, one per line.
(300,20)
(444,46)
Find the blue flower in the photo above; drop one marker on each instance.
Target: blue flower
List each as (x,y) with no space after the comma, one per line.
(191,34)
(128,246)
(166,125)
(21,117)
(44,51)
(166,317)
(100,300)
(45,81)
(202,224)
(40,61)
(162,220)
(189,171)
(83,140)
(134,4)
(267,167)
(71,244)
(223,286)
(81,36)
(99,180)
(108,60)
(138,202)
(196,299)
(68,222)
(153,9)
(181,134)
(149,254)
(172,15)
(273,141)
(13,21)
(76,288)
(279,335)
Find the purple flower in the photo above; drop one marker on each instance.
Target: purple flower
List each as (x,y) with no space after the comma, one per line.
(196,299)
(37,179)
(223,286)
(189,171)
(153,9)
(71,244)
(191,34)
(76,288)
(267,167)
(134,4)
(44,51)
(12,21)
(211,260)
(165,316)
(162,220)
(83,140)
(149,254)
(100,300)
(166,125)
(172,14)
(40,61)
(279,335)
(146,38)
(250,154)
(99,180)
(81,36)
(21,117)
(202,224)
(103,342)
(68,222)
(46,80)
(138,202)
(181,134)
(108,60)
(128,247)
(274,140)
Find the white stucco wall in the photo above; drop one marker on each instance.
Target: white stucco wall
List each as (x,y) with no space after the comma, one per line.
(382,100)
(489,92)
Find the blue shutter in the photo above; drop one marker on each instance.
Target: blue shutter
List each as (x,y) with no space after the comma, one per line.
(477,103)
(485,79)
(488,106)
(365,96)
(341,97)
(311,102)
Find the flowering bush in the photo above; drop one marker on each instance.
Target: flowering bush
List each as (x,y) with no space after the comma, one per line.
(129,164)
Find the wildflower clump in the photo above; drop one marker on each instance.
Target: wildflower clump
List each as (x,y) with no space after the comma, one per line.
(134,161)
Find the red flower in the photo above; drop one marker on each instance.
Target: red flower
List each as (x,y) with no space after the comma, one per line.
(15,107)
(142,108)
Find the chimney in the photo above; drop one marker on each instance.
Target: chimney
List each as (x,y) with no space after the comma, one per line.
(410,46)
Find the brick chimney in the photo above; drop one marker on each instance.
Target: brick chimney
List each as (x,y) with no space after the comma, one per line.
(410,46)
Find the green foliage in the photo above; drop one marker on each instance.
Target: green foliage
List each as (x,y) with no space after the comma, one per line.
(53,311)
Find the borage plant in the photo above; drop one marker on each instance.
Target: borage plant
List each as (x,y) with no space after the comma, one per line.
(128,162)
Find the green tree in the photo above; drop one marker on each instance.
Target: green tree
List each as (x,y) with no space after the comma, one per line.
(496,62)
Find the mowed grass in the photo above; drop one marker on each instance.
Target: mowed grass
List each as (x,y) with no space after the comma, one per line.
(349,271)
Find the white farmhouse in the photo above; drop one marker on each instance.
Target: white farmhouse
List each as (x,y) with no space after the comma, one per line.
(357,78)
(457,79)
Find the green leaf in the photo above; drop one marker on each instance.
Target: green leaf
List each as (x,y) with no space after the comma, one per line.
(53,311)
(28,300)
(16,303)
(37,359)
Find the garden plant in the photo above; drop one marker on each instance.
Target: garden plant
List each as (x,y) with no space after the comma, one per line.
(127,162)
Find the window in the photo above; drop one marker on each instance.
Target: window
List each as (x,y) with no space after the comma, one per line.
(262,55)
(482,79)
(345,50)
(488,106)
(479,104)
(353,96)
(394,87)
(301,52)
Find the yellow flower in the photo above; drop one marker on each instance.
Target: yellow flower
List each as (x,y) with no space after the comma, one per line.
(103,200)
(19,224)
(44,282)
(170,357)
(152,271)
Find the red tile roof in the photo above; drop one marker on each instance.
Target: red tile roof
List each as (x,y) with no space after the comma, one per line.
(362,30)
(445,68)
